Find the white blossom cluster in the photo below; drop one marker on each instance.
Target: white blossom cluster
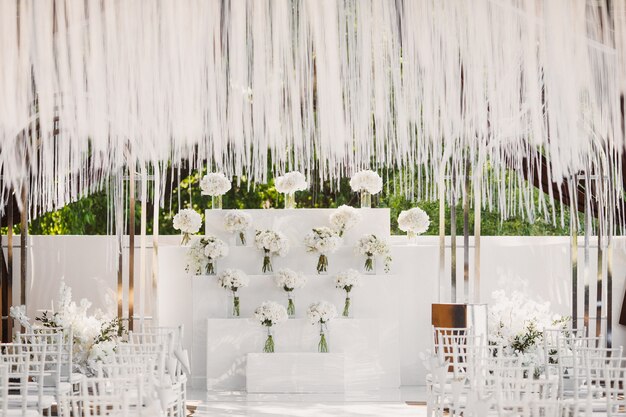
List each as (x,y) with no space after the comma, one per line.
(214,248)
(270,313)
(348,279)
(237,221)
(214,184)
(414,220)
(18,313)
(187,221)
(273,242)
(344,219)
(321,312)
(322,240)
(288,279)
(232,279)
(103,352)
(196,259)
(370,245)
(290,182)
(366,180)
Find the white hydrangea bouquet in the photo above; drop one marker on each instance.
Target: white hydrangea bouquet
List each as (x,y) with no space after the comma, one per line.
(288,184)
(371,246)
(322,240)
(346,281)
(289,280)
(238,222)
(96,336)
(188,221)
(204,253)
(271,243)
(270,314)
(516,325)
(368,183)
(216,185)
(321,313)
(414,221)
(344,219)
(232,280)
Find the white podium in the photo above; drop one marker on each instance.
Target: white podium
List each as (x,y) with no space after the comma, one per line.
(295,373)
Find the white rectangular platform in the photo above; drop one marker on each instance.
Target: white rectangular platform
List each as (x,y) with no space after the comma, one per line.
(295,373)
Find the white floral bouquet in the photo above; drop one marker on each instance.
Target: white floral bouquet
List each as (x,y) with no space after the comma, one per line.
(271,243)
(322,240)
(516,325)
(96,336)
(270,314)
(237,221)
(214,249)
(290,182)
(346,281)
(215,184)
(344,219)
(188,221)
(289,280)
(321,313)
(366,180)
(371,246)
(232,280)
(414,221)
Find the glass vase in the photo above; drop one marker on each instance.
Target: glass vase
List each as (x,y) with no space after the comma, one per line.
(322,264)
(290,200)
(211,267)
(216,202)
(346,307)
(411,237)
(241,238)
(267,263)
(366,199)
(235,305)
(322,346)
(269,341)
(291,304)
(186,239)
(369,266)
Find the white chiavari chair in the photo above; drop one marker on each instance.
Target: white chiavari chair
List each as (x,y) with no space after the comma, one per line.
(518,393)
(67,355)
(17,410)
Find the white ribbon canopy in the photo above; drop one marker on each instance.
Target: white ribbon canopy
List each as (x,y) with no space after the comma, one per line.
(428,87)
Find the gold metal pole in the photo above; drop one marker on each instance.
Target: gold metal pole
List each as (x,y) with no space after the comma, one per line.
(119,219)
(453,240)
(155,246)
(23,243)
(600,273)
(442,231)
(131,247)
(7,287)
(466,197)
(574,260)
(142,247)
(477,220)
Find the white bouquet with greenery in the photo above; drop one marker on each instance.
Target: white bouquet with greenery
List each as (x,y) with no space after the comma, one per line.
(366,180)
(188,221)
(289,280)
(236,221)
(290,182)
(322,240)
(214,249)
(232,280)
(346,281)
(271,243)
(414,221)
(215,184)
(371,246)
(321,313)
(344,219)
(270,314)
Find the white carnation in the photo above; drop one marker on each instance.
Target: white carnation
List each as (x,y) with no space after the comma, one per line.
(270,313)
(344,219)
(321,312)
(366,180)
(232,279)
(290,182)
(187,221)
(214,184)
(414,220)
(289,280)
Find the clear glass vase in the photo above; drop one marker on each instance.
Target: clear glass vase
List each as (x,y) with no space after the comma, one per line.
(411,237)
(216,202)
(241,238)
(322,264)
(185,239)
(235,306)
(369,266)
(322,346)
(366,199)
(211,267)
(267,267)
(290,200)
(347,312)
(291,304)
(269,341)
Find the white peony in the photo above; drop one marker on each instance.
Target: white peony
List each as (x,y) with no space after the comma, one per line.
(290,182)
(414,220)
(214,184)
(321,312)
(237,221)
(270,313)
(214,248)
(232,279)
(366,180)
(344,219)
(371,246)
(289,280)
(188,221)
(269,241)
(348,279)
(322,240)
(196,260)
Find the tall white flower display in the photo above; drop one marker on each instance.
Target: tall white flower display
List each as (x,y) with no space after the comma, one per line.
(346,281)
(270,314)
(271,243)
(322,240)
(321,313)
(368,183)
(238,222)
(288,184)
(344,219)
(216,185)
(188,221)
(414,221)
(371,246)
(289,281)
(232,280)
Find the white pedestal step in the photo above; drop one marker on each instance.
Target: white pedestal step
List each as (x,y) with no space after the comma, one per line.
(295,373)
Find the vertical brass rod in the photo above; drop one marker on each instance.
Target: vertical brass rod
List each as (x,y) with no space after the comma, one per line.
(155,246)
(586,272)
(7,289)
(119,219)
(574,261)
(23,243)
(477,220)
(466,197)
(453,240)
(131,247)
(142,247)
(609,290)
(442,232)
(600,273)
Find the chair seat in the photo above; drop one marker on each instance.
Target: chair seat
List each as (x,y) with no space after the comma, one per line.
(32,400)
(27,413)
